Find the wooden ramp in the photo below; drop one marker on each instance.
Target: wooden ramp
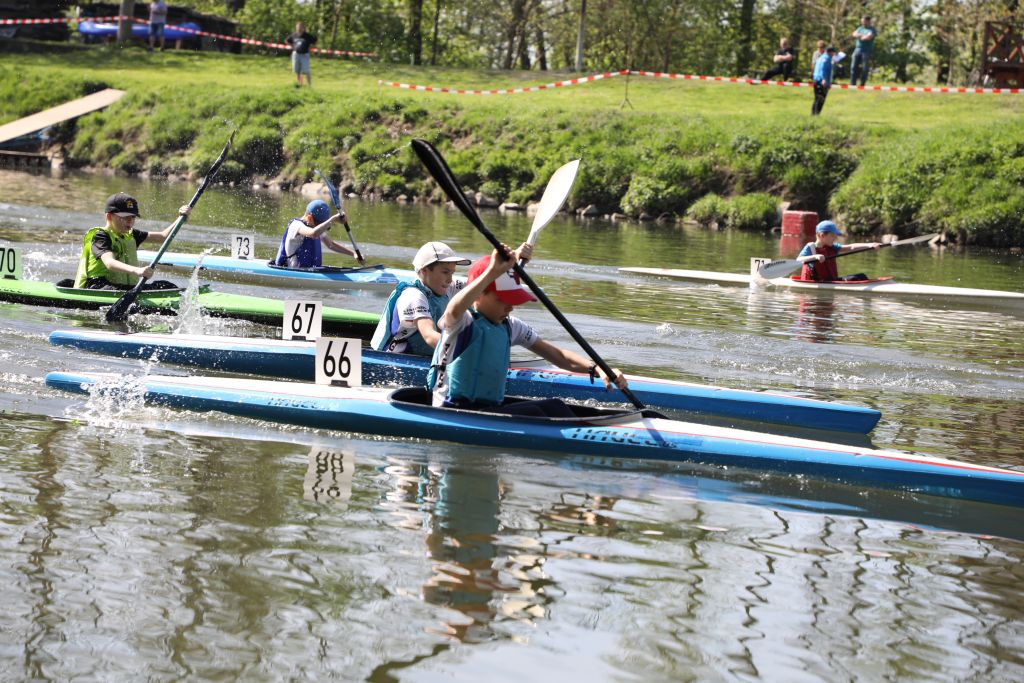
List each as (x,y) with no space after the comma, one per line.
(63,112)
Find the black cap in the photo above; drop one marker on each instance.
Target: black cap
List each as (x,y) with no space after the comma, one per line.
(122,204)
(830,48)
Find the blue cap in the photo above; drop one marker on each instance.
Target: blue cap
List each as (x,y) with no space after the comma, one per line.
(828,226)
(319,210)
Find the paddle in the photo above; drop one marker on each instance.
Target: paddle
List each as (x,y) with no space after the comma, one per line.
(776,269)
(438,168)
(119,311)
(336,200)
(555,194)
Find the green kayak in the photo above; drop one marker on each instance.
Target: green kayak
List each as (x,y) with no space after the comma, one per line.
(254,308)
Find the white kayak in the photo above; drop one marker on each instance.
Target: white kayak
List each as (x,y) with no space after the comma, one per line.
(884,285)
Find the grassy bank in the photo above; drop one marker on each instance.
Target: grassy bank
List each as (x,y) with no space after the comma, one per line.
(883,162)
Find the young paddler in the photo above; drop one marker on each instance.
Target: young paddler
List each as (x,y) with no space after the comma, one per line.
(409,321)
(109,253)
(470,363)
(824,269)
(303,238)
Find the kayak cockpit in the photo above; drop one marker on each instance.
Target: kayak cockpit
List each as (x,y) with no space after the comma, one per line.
(327,270)
(419,398)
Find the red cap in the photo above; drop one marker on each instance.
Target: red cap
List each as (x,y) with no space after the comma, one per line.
(507,286)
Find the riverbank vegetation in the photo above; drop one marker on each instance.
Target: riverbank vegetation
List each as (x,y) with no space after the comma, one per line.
(883,162)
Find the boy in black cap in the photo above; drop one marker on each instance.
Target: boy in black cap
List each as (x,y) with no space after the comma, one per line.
(109,258)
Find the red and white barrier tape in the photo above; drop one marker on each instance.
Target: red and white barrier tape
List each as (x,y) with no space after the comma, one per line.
(507,91)
(244,41)
(690,77)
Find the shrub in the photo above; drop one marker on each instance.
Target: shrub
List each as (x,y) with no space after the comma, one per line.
(755,211)
(708,209)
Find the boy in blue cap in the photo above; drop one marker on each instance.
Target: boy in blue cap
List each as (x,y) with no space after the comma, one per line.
(823,268)
(302,239)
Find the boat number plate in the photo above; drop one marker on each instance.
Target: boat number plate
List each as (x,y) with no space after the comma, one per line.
(302,320)
(10,263)
(243,246)
(756,263)
(339,361)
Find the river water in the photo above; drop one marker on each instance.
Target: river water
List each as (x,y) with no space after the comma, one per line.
(148,542)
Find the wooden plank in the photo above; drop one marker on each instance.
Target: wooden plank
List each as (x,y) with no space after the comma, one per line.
(62,112)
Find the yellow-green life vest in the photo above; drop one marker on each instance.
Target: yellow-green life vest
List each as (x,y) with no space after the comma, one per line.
(124,251)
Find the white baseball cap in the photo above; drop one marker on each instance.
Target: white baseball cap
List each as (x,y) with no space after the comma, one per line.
(436,252)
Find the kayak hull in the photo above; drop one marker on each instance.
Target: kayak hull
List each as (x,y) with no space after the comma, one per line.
(613,435)
(295,360)
(256,309)
(886,285)
(260,272)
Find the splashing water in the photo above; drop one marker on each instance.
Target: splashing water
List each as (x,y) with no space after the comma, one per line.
(112,403)
(190,313)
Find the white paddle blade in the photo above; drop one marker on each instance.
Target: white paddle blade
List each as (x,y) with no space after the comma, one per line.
(554,197)
(914,240)
(774,269)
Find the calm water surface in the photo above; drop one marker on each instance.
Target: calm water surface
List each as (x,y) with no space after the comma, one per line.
(138,540)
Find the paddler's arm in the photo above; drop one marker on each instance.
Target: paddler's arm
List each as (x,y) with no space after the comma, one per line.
(185,210)
(461,302)
(121,267)
(574,362)
(333,245)
(318,230)
(428,331)
(860,245)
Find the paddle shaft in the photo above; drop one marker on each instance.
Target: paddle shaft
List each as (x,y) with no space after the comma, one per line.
(438,168)
(780,268)
(119,311)
(336,200)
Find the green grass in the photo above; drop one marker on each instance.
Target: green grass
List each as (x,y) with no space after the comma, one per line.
(882,161)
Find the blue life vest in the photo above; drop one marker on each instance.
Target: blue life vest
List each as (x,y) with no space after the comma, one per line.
(385,337)
(479,365)
(308,253)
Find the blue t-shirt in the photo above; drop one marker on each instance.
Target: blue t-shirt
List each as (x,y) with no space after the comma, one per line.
(823,69)
(866,46)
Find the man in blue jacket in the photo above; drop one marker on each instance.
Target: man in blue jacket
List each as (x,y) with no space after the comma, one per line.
(822,79)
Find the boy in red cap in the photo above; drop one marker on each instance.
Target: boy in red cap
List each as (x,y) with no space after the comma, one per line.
(470,363)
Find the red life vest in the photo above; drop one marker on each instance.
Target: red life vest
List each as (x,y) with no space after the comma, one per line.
(822,271)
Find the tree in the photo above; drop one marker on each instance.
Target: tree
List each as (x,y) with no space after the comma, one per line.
(579,35)
(124,25)
(415,33)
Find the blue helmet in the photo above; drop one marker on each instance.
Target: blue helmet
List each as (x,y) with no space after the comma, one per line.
(319,210)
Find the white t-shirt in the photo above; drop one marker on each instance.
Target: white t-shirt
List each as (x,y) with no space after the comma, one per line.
(293,241)
(520,334)
(411,306)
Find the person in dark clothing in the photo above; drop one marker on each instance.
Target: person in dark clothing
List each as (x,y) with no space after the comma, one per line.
(784,60)
(301,41)
(822,79)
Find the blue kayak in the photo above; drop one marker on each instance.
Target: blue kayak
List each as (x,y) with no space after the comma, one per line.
(295,360)
(593,431)
(262,272)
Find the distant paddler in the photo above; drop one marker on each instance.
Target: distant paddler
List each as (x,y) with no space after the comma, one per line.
(303,239)
(109,253)
(824,250)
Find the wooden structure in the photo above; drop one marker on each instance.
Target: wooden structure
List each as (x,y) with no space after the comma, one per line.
(1004,55)
(62,112)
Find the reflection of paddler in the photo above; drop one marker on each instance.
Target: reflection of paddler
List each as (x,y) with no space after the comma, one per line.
(815,322)
(109,259)
(463,529)
(826,248)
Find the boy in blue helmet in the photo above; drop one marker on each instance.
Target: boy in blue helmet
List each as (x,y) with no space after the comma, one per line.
(823,268)
(302,239)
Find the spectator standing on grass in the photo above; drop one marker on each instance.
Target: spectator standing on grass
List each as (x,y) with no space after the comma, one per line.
(819,50)
(784,60)
(301,41)
(157,22)
(865,35)
(822,79)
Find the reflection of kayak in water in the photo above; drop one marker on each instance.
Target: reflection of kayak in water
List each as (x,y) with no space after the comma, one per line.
(882,285)
(294,359)
(592,431)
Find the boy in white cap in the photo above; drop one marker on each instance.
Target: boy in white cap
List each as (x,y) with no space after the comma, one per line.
(471,360)
(302,239)
(409,321)
(824,269)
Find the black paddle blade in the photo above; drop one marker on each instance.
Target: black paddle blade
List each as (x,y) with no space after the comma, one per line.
(438,168)
(118,313)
